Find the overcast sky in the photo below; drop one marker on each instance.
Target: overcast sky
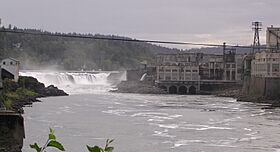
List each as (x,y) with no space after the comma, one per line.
(211,21)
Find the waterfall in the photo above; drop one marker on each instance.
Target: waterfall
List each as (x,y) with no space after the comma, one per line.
(73,82)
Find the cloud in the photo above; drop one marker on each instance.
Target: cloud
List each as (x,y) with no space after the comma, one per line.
(178,20)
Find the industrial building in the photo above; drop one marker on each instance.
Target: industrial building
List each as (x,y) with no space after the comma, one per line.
(184,73)
(267,62)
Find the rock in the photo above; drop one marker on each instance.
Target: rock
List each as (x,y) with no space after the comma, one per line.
(54,91)
(32,84)
(138,87)
(38,87)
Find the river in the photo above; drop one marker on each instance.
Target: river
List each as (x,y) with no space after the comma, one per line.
(154,123)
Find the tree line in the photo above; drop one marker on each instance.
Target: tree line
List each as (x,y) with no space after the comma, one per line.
(64,53)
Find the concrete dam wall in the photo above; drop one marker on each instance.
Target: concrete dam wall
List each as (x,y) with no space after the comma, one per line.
(268,88)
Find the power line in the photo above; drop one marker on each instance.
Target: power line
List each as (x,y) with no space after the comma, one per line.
(256,28)
(121,39)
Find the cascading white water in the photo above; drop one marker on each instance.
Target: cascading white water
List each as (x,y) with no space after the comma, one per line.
(73,83)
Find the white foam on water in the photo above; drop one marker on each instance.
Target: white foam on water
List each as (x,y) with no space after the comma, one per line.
(163,133)
(180,143)
(169,126)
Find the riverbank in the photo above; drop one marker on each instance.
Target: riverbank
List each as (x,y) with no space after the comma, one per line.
(138,87)
(232,92)
(27,90)
(148,88)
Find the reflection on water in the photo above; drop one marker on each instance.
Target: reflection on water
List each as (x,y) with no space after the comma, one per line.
(155,123)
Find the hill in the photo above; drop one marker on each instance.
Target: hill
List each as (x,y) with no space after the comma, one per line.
(64,53)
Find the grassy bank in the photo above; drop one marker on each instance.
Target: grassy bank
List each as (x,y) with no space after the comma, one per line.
(8,97)
(26,91)
(13,93)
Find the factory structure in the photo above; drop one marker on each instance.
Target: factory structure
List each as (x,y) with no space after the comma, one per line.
(185,73)
(262,69)
(189,73)
(266,63)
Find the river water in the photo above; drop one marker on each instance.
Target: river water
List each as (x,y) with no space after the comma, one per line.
(154,123)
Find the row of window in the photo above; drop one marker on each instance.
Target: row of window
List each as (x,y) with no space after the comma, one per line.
(230,65)
(11,63)
(175,70)
(178,79)
(266,67)
(267,59)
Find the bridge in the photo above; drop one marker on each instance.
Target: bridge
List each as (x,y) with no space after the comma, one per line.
(192,86)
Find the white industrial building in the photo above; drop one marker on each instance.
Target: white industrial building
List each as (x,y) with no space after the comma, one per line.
(267,62)
(11,66)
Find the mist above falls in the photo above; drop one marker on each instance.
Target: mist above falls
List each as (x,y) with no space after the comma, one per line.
(74,82)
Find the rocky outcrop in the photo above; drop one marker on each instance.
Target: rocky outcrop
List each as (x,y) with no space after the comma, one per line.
(53,91)
(38,87)
(30,89)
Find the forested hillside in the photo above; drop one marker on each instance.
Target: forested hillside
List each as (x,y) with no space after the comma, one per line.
(64,53)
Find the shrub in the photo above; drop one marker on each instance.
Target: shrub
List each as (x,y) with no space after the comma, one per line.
(8,104)
(52,142)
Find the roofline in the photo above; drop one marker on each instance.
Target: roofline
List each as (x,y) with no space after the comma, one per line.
(11,59)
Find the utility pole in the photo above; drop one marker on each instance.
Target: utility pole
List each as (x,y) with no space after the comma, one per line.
(256,28)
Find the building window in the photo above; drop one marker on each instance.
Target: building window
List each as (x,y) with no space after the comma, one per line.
(11,63)
(161,77)
(194,70)
(233,75)
(174,70)
(4,63)
(188,70)
(167,78)
(233,65)
(275,67)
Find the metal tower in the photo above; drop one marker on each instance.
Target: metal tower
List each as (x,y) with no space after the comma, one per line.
(256,28)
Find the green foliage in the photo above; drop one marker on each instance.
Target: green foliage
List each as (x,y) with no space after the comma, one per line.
(20,93)
(25,92)
(107,147)
(9,85)
(8,103)
(51,142)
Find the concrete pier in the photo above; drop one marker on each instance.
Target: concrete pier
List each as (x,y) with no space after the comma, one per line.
(11,131)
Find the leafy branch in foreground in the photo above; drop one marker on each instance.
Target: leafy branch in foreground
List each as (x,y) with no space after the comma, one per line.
(99,149)
(51,142)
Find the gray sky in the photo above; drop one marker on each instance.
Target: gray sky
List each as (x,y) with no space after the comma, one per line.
(213,21)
